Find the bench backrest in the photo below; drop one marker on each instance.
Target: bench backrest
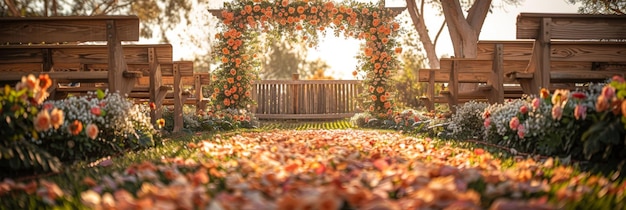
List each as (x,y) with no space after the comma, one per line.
(112,29)
(571,26)
(15,60)
(67,29)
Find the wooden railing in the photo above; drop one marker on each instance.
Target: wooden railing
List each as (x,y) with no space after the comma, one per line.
(305,99)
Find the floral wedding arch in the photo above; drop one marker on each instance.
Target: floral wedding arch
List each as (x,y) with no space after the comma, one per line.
(243,20)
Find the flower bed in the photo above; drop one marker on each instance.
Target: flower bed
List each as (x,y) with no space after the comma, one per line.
(37,135)
(317,169)
(584,125)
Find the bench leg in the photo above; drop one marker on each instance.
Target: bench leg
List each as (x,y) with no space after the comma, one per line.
(178,101)
(527,86)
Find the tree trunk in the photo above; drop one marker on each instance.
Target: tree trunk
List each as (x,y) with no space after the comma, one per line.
(418,21)
(54,8)
(464,32)
(14,11)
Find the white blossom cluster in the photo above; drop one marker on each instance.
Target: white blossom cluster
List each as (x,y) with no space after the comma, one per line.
(191,119)
(79,108)
(139,115)
(118,114)
(501,114)
(467,122)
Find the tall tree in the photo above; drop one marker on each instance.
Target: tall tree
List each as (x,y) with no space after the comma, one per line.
(464,29)
(601,6)
(282,59)
(284,56)
(316,70)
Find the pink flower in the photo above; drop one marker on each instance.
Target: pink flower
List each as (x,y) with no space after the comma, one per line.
(92,131)
(536,103)
(608,92)
(557,112)
(514,123)
(521,131)
(96,111)
(56,118)
(523,109)
(602,104)
(487,122)
(618,78)
(42,121)
(580,111)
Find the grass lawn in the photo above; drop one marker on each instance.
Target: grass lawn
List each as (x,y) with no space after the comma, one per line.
(315,165)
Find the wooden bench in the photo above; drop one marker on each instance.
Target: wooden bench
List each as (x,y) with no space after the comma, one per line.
(177,76)
(568,67)
(488,69)
(72,29)
(595,50)
(88,65)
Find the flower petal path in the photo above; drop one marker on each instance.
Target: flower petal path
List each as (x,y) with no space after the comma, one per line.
(328,169)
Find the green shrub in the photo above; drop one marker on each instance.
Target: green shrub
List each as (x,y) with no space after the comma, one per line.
(22,119)
(226,119)
(604,138)
(407,120)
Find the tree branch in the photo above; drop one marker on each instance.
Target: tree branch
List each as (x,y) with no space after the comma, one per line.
(477,13)
(422,7)
(54,8)
(422,32)
(14,11)
(454,15)
(439,32)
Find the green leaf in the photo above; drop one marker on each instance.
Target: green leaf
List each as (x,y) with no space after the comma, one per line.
(593,130)
(590,148)
(100,94)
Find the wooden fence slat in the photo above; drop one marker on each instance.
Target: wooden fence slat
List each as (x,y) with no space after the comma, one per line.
(305,99)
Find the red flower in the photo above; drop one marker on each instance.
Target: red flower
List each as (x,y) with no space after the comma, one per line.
(479,151)
(152,106)
(96,111)
(579,95)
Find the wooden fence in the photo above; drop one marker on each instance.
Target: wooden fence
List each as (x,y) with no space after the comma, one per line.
(305,99)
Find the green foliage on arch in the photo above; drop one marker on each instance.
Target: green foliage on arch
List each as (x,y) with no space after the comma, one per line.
(243,20)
